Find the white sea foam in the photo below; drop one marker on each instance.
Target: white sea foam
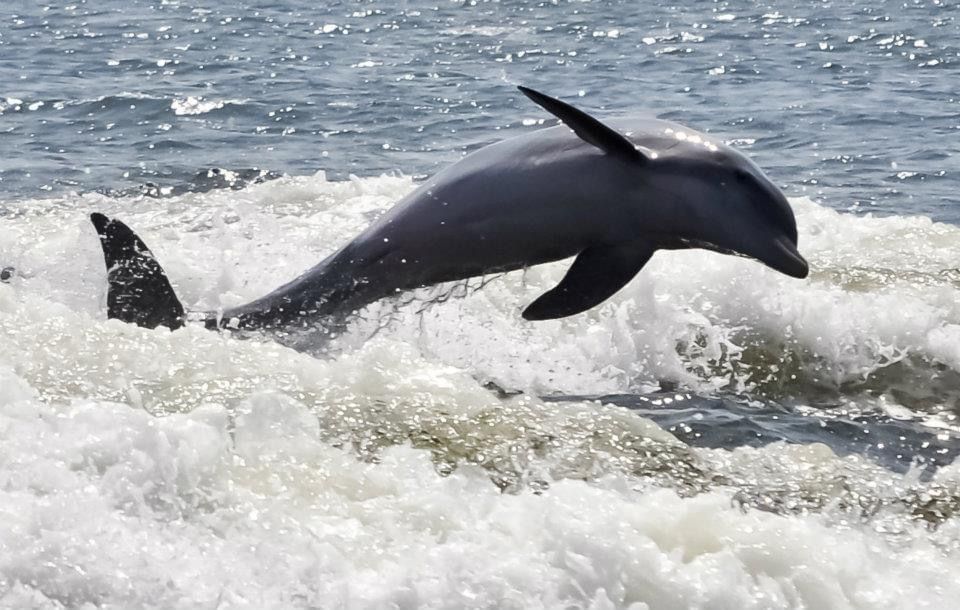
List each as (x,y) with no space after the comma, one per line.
(881,290)
(884,292)
(193,105)
(106,505)
(189,469)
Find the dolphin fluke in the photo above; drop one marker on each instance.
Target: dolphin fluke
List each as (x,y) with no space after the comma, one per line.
(596,274)
(139,291)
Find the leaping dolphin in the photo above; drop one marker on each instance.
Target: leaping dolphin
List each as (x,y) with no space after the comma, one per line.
(608,195)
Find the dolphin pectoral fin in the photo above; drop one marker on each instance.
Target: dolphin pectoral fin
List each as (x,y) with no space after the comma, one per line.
(596,274)
(139,291)
(589,129)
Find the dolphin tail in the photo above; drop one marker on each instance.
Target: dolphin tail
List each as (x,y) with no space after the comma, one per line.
(139,291)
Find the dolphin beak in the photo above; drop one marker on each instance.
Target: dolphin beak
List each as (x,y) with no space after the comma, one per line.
(785,258)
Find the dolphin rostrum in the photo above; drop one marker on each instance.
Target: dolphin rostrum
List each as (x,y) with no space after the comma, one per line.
(608,194)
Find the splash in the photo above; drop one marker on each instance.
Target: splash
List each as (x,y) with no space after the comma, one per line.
(381,469)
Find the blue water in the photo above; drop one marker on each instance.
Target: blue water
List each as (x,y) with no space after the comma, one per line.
(854,104)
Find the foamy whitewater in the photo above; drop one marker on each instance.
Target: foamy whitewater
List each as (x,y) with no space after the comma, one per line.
(413,461)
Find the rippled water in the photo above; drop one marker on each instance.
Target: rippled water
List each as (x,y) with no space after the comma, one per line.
(855,103)
(714,436)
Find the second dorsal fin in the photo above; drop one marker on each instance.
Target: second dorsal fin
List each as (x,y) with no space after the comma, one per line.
(589,129)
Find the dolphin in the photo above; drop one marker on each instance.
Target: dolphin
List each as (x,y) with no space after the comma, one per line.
(608,194)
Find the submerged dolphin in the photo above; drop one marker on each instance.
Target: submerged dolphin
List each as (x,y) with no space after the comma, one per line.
(609,195)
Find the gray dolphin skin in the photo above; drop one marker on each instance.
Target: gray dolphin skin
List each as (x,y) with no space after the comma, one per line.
(608,195)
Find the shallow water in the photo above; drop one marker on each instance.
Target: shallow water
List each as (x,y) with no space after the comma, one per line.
(714,436)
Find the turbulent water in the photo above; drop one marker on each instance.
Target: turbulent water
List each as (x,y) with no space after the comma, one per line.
(714,436)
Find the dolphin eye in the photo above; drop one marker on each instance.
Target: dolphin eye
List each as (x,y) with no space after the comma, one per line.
(741,175)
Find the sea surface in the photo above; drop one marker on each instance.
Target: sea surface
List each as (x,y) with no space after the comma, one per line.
(714,436)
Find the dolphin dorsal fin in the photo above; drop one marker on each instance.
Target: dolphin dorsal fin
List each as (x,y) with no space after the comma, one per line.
(589,129)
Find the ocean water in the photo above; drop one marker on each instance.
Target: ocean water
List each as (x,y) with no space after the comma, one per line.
(714,436)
